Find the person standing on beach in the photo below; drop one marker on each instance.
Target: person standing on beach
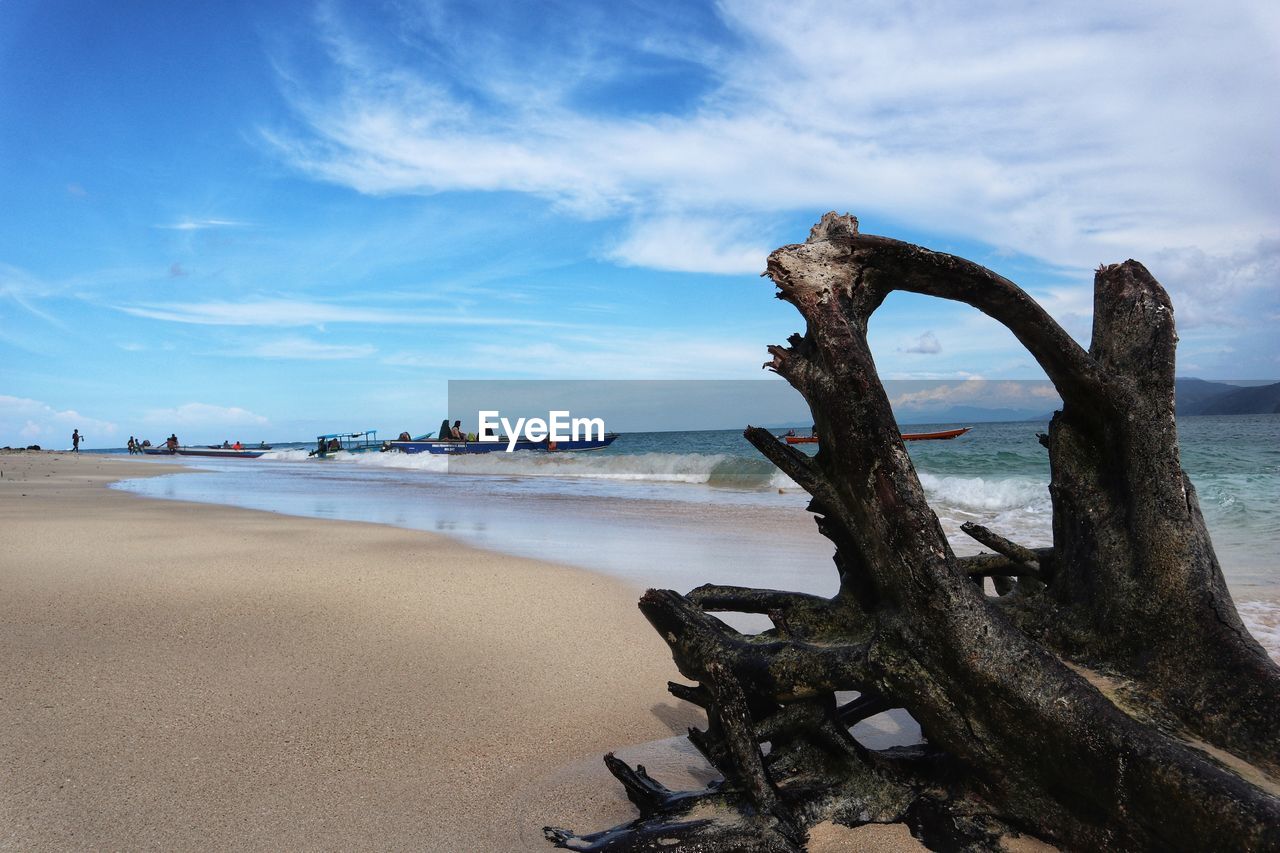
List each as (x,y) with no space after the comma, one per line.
(75,440)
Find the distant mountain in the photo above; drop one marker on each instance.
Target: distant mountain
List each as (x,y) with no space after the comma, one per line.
(1191,394)
(1194,397)
(1254,400)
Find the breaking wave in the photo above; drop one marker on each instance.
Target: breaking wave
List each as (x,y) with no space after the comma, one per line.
(983,494)
(717,470)
(965,494)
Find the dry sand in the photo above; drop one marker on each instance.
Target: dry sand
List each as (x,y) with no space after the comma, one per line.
(183,676)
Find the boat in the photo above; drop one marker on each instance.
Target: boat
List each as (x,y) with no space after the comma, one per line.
(455,447)
(906,436)
(347,442)
(213,451)
(219,452)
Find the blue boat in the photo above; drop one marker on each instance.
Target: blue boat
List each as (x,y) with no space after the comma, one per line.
(455,447)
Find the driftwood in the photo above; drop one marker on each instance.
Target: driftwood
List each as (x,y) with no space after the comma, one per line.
(1107,697)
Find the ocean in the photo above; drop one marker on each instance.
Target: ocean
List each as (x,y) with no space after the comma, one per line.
(677,509)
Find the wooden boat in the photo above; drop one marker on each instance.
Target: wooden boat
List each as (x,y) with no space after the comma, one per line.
(906,436)
(455,447)
(347,442)
(219,452)
(213,451)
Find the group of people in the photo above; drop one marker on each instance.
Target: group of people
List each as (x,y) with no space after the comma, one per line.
(451,433)
(136,446)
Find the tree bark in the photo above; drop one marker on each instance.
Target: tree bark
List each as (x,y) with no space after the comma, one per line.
(1108,697)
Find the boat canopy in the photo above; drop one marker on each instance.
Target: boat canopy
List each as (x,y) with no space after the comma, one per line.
(371,433)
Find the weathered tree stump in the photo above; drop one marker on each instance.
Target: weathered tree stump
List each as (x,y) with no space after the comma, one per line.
(1108,697)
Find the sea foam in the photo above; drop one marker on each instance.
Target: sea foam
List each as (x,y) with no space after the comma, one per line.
(1262,618)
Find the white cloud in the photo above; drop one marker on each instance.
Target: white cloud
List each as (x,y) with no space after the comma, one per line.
(689,244)
(203,415)
(1114,131)
(1222,289)
(624,354)
(36,422)
(974,391)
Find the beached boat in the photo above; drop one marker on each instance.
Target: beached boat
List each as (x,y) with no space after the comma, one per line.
(906,436)
(347,442)
(456,447)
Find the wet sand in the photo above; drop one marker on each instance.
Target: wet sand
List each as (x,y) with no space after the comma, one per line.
(183,676)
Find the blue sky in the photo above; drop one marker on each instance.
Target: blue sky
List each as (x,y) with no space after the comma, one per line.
(271,220)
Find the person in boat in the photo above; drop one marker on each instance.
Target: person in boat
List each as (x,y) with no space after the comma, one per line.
(446,432)
(172,441)
(226,445)
(334,445)
(237,445)
(133,447)
(791,432)
(404,436)
(456,433)
(813,430)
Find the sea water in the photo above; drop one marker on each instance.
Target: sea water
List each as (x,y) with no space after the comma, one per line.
(675,509)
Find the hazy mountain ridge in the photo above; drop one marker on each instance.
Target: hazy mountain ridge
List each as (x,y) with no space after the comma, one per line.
(1194,397)
(1231,400)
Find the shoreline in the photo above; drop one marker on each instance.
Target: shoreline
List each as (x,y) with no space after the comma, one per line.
(649,540)
(189,676)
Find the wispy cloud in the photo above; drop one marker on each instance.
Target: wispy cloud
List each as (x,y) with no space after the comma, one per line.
(309,350)
(622,354)
(289,312)
(1078,139)
(200,224)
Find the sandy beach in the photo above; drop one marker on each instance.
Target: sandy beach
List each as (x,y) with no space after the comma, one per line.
(183,676)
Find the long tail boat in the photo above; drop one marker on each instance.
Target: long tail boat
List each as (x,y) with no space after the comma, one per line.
(211,451)
(348,442)
(906,436)
(219,452)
